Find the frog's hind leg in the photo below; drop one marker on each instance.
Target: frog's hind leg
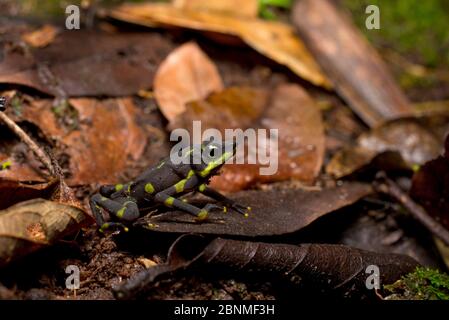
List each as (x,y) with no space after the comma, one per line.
(123,208)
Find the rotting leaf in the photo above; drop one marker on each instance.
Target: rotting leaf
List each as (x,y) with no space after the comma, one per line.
(34,224)
(352,64)
(106,138)
(87,63)
(186,74)
(288,109)
(272,39)
(326,267)
(430,187)
(397,144)
(274,212)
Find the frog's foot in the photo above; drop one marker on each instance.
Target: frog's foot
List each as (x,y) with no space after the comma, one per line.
(244,210)
(113,226)
(204,213)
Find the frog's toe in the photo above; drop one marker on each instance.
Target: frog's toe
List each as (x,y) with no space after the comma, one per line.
(241,209)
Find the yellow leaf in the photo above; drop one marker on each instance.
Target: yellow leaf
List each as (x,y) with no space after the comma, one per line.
(273,39)
(245,8)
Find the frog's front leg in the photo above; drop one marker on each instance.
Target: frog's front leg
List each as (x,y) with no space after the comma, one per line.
(167,198)
(123,208)
(207,191)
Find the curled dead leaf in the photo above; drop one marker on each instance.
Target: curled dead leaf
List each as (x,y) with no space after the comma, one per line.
(31,225)
(324,266)
(247,8)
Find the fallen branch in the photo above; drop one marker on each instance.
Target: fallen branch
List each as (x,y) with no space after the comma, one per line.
(389,187)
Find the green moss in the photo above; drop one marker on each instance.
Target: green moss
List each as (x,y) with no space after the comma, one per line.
(412,27)
(422,284)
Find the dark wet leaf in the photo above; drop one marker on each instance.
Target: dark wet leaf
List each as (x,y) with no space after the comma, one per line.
(321,266)
(397,144)
(87,63)
(351,63)
(288,109)
(430,187)
(273,212)
(31,225)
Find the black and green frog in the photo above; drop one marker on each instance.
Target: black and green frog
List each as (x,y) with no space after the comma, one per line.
(164,184)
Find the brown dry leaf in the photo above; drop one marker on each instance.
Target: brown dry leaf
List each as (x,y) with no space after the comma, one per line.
(398,144)
(186,74)
(351,63)
(289,109)
(246,8)
(41,37)
(86,63)
(272,39)
(99,148)
(34,224)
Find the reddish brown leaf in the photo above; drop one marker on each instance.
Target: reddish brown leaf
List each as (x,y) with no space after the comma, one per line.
(354,67)
(289,109)
(105,137)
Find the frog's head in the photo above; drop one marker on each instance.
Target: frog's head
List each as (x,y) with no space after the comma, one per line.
(213,157)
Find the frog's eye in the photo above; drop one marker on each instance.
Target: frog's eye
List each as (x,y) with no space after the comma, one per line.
(213,152)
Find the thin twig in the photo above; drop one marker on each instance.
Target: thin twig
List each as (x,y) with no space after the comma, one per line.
(40,154)
(385,185)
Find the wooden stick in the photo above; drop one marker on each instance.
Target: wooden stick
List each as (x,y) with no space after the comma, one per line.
(385,185)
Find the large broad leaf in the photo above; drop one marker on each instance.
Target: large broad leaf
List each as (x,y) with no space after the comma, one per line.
(273,212)
(34,224)
(86,63)
(273,39)
(354,67)
(288,109)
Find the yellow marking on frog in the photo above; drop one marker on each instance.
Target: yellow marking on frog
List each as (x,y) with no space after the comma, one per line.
(149,188)
(118,187)
(214,164)
(179,187)
(160,165)
(202,215)
(152,225)
(104,226)
(169,201)
(225,210)
(202,187)
(128,190)
(121,212)
(6,165)
(190,174)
